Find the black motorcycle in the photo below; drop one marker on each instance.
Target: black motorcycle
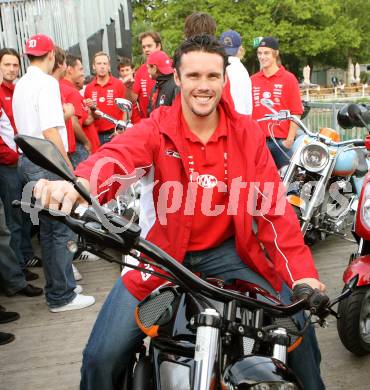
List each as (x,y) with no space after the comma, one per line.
(203,334)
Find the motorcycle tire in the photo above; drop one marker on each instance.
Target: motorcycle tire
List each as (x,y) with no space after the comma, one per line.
(354,323)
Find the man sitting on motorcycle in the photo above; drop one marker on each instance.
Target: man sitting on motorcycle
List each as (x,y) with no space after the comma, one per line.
(209,175)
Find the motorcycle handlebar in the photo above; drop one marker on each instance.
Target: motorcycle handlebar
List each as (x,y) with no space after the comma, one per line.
(84,222)
(120,125)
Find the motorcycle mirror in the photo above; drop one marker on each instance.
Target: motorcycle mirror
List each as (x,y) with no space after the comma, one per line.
(123,104)
(269,104)
(44,153)
(351,115)
(360,113)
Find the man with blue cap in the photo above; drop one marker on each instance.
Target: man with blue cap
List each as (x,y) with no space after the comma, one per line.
(240,87)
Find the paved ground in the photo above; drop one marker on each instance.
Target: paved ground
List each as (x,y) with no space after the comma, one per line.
(47,351)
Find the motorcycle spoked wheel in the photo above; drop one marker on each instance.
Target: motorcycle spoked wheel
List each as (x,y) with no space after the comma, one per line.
(354,322)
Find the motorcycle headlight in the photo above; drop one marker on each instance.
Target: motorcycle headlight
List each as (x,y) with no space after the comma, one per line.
(365,209)
(274,386)
(314,157)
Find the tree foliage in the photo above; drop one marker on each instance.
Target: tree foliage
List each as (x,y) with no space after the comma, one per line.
(317,32)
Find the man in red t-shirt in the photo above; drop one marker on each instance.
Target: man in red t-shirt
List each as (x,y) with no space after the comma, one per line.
(18,223)
(101,92)
(126,71)
(274,82)
(75,78)
(139,89)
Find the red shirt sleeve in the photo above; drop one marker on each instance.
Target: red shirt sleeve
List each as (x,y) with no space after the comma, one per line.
(74,98)
(7,155)
(295,101)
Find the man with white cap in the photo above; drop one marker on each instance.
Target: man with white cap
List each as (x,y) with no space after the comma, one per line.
(240,87)
(38,112)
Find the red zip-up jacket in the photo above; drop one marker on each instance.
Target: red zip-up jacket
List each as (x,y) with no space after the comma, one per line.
(157,146)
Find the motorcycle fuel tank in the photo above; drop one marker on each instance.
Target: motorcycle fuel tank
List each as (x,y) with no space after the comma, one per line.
(346,163)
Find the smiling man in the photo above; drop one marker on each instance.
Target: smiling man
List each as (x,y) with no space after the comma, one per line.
(101,92)
(198,148)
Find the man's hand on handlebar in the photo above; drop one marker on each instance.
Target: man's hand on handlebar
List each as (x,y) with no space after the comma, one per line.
(59,195)
(313,291)
(312,282)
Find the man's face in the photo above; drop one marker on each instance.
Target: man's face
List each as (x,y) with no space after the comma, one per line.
(125,71)
(101,66)
(76,73)
(9,65)
(201,80)
(149,46)
(267,57)
(152,70)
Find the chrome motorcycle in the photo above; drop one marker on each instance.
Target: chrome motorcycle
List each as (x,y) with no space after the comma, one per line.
(324,178)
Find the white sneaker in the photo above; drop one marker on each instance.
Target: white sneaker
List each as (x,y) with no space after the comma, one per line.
(79,302)
(78,289)
(87,256)
(76,273)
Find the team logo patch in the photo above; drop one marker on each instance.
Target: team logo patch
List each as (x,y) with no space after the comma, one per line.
(102,99)
(207,181)
(267,95)
(172,153)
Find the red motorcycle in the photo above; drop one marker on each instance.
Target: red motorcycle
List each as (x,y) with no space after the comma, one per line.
(354,311)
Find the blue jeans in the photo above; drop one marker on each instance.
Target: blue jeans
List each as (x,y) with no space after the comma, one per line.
(105,136)
(54,236)
(17,222)
(280,153)
(11,276)
(115,334)
(81,154)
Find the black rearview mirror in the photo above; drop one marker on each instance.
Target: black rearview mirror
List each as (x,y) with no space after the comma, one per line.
(44,153)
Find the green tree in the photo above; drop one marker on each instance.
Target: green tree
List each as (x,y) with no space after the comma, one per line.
(317,32)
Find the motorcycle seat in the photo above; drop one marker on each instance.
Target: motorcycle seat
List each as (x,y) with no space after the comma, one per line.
(362,168)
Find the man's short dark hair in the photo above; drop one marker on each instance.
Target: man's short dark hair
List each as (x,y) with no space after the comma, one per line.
(204,43)
(199,23)
(60,57)
(123,62)
(72,60)
(156,37)
(32,58)
(11,52)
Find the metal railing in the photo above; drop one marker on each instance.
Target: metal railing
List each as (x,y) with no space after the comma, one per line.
(325,115)
(339,93)
(68,22)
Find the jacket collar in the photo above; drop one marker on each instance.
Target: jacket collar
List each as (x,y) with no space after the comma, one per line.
(168,119)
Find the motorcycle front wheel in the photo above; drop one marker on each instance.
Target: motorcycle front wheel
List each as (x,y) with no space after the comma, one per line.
(354,322)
